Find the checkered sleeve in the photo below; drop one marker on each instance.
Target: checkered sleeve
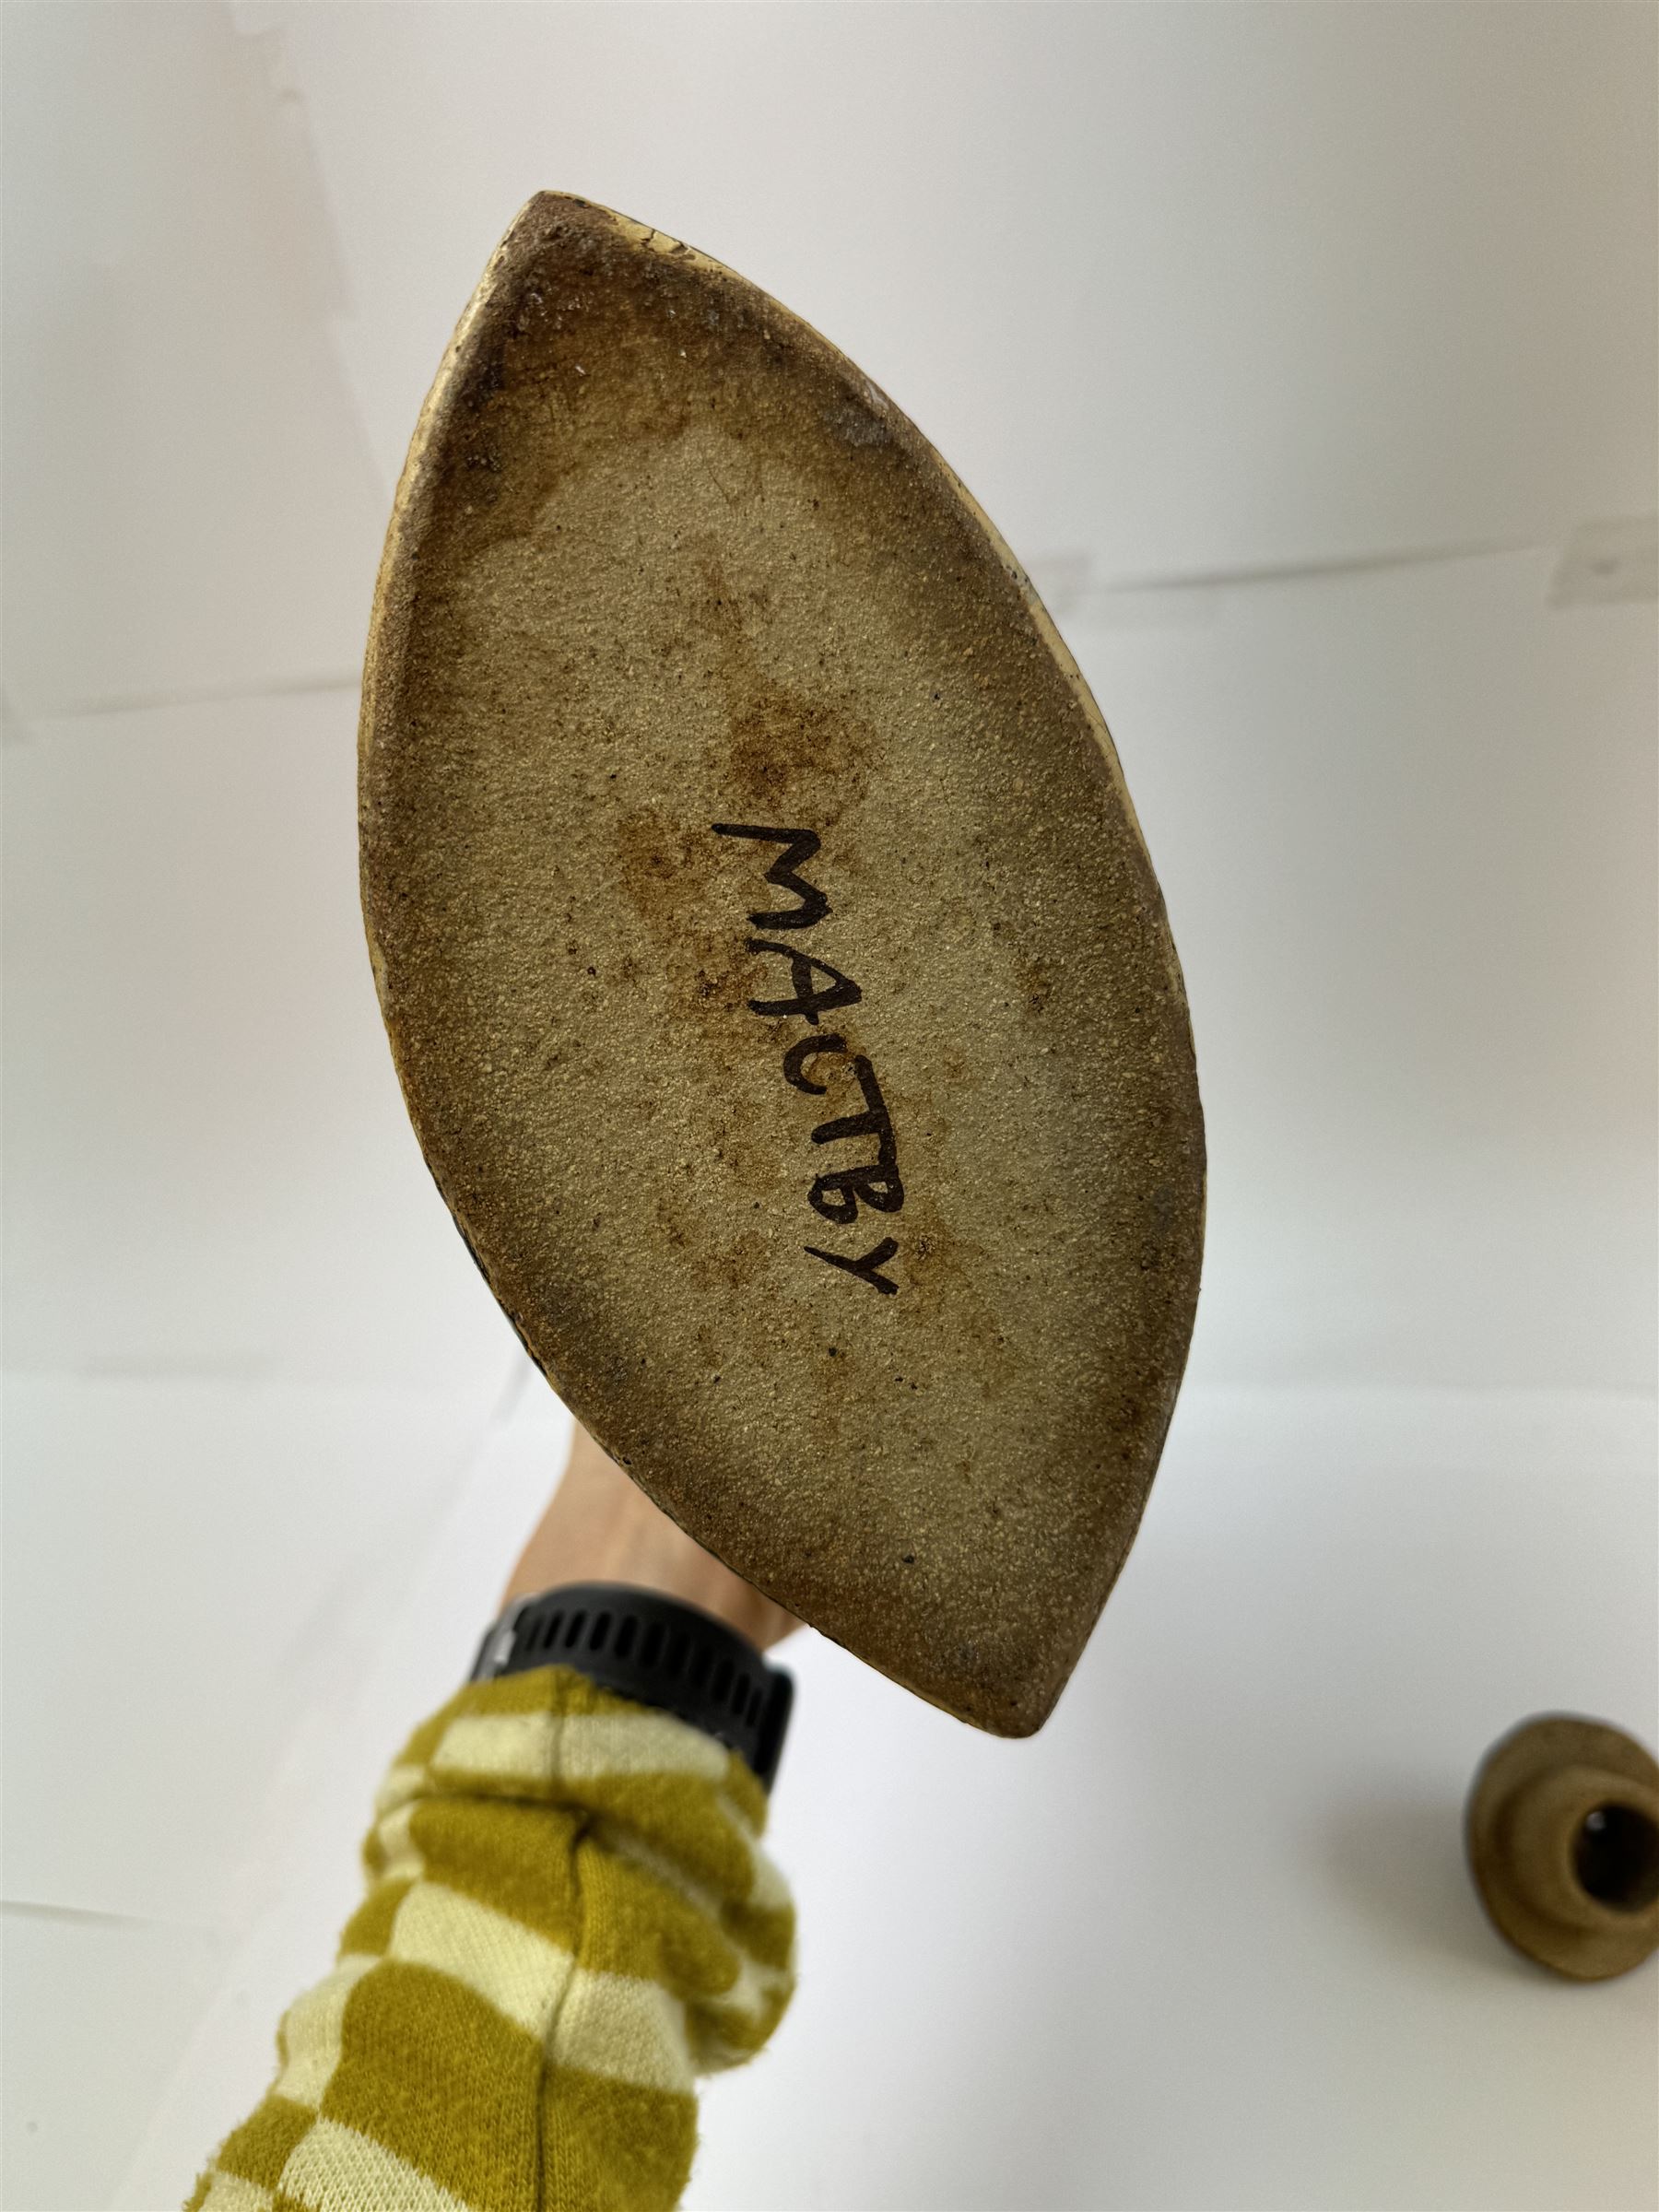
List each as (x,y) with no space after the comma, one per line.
(568,1918)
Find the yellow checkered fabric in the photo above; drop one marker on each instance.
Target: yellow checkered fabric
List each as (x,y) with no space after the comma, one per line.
(568,1918)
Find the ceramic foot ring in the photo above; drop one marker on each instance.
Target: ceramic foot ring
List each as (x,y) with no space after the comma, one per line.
(778,984)
(1563,1838)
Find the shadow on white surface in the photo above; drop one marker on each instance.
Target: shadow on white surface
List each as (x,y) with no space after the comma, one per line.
(1399,1858)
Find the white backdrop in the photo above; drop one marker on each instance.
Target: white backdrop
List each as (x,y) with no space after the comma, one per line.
(1306,355)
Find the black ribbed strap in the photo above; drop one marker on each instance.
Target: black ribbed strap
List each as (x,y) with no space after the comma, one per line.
(657,1652)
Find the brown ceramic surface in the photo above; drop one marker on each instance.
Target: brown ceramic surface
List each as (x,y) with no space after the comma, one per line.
(1562,1828)
(665,568)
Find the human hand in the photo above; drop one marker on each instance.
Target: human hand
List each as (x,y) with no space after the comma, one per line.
(601,1527)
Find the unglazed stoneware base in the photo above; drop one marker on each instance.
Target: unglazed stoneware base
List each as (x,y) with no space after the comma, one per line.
(777,978)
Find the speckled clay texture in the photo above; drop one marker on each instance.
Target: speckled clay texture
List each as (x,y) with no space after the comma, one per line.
(663,559)
(1540,1792)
